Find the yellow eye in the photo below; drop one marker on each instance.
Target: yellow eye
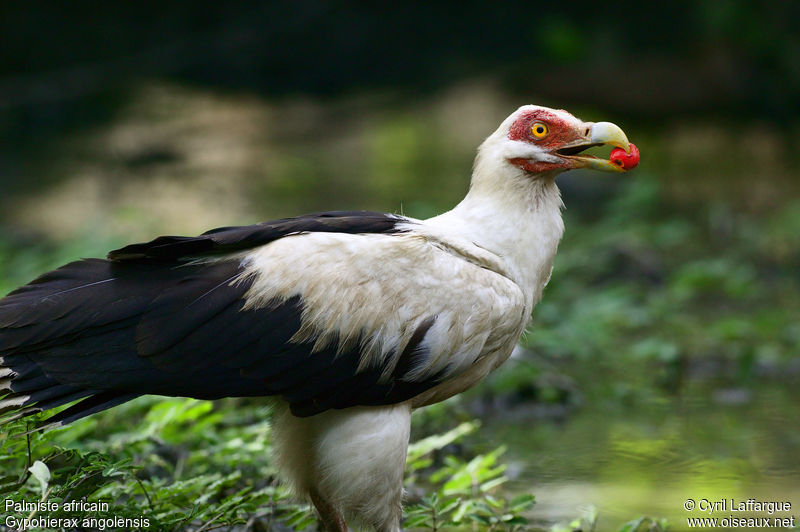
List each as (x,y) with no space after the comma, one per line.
(539,130)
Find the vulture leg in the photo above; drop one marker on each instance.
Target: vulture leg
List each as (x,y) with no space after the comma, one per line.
(348,462)
(331,519)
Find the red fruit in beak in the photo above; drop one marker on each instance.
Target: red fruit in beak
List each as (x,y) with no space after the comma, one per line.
(625,160)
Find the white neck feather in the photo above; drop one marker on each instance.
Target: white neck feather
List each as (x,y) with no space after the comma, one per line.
(512,214)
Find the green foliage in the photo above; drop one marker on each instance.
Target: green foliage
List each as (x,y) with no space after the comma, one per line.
(645,524)
(184,463)
(462,493)
(176,470)
(588,523)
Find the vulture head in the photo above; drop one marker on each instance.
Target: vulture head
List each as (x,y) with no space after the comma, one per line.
(537,141)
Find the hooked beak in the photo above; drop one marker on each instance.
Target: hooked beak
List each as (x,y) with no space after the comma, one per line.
(597,134)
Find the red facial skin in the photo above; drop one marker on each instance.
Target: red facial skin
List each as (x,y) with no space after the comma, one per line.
(625,160)
(536,167)
(560,133)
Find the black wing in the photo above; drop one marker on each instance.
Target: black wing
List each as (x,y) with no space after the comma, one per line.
(230,239)
(154,320)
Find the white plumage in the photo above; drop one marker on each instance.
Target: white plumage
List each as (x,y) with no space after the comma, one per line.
(350,320)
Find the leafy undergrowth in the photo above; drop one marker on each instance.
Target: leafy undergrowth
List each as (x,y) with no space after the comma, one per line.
(183,464)
(180,464)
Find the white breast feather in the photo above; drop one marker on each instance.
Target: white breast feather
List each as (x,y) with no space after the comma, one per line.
(382,287)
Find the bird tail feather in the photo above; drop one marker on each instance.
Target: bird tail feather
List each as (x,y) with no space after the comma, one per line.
(25,390)
(35,321)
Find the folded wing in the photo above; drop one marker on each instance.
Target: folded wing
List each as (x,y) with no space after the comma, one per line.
(326,311)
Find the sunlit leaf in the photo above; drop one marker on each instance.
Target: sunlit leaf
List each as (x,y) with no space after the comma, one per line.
(41,473)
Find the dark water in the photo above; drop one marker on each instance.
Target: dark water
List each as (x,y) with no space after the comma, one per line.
(649,456)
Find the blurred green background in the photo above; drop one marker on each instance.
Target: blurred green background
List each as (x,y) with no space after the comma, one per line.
(663,361)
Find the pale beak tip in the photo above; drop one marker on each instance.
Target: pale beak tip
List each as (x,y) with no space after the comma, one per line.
(608,133)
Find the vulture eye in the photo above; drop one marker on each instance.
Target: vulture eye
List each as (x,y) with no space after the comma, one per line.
(539,130)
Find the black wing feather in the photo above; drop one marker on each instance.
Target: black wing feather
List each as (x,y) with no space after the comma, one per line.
(158,319)
(230,239)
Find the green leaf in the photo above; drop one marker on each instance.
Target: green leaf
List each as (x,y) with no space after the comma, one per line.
(480,519)
(9,483)
(494,501)
(490,485)
(632,526)
(418,521)
(463,508)
(520,503)
(483,508)
(450,506)
(432,443)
